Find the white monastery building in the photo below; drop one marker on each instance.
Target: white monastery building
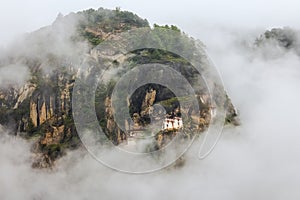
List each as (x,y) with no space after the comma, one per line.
(172,124)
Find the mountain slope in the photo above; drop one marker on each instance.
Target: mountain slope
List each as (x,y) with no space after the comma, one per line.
(40,107)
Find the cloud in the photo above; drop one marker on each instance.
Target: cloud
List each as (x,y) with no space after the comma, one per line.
(258,160)
(13,75)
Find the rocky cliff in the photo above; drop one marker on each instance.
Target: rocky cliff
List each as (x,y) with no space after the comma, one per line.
(41,108)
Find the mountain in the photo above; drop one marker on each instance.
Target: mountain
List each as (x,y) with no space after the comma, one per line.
(280,40)
(38,105)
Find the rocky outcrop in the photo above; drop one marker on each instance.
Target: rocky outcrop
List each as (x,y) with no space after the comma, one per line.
(112,130)
(42,108)
(24,93)
(280,40)
(148,101)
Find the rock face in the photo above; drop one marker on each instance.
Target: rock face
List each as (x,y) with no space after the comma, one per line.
(148,101)
(42,108)
(115,134)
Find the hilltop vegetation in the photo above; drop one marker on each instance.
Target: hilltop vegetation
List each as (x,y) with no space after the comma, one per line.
(98,25)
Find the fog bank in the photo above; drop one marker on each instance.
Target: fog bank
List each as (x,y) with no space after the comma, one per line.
(258,160)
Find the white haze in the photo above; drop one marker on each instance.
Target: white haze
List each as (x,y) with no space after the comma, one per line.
(17,17)
(13,75)
(258,160)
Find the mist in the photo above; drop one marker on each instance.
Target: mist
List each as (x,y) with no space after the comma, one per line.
(18,17)
(257,160)
(13,75)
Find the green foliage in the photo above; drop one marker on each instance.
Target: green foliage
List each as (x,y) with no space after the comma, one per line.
(285,37)
(143,56)
(92,38)
(4,114)
(23,110)
(37,78)
(34,132)
(53,150)
(30,127)
(170,102)
(107,21)
(102,92)
(172,27)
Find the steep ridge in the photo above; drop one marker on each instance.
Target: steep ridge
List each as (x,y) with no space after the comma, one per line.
(41,108)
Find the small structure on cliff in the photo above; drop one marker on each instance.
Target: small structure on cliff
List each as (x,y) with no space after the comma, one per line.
(172,124)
